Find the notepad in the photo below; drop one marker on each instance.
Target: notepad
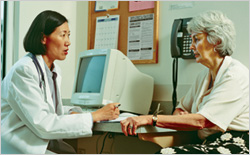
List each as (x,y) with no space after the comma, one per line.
(121,117)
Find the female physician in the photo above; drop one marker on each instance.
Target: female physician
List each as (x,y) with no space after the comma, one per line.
(217,105)
(32,114)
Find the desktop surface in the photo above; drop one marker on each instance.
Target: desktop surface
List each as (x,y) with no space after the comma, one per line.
(149,139)
(116,127)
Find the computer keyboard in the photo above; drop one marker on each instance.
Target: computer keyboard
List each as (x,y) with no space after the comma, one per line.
(87,110)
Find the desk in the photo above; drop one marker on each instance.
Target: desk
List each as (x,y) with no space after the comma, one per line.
(149,140)
(144,143)
(116,128)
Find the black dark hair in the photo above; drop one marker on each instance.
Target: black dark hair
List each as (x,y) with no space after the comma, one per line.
(44,24)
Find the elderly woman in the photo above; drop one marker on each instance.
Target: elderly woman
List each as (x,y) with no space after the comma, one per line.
(217,105)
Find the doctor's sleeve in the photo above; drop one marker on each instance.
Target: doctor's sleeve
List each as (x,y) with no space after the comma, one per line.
(27,100)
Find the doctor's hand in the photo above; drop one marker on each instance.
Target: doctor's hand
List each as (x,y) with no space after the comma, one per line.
(108,112)
(130,124)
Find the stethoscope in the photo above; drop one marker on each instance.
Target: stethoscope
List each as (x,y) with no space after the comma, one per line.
(40,75)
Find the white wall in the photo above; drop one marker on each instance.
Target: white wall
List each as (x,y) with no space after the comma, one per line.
(77,13)
(237,11)
(29,10)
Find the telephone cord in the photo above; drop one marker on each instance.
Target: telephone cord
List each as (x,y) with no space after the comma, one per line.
(175,77)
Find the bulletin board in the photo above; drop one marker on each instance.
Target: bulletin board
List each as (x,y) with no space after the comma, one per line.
(123,11)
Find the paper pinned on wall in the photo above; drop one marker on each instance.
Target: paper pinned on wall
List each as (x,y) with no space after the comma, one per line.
(106,34)
(140,5)
(140,37)
(106,5)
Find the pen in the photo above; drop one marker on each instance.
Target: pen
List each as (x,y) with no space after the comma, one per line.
(118,105)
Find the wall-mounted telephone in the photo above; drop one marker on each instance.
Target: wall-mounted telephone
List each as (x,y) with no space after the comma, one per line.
(181,40)
(180,48)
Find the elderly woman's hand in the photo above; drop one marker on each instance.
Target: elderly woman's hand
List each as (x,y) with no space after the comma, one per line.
(130,124)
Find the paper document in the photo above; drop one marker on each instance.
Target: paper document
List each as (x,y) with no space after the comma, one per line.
(140,5)
(106,5)
(105,102)
(140,37)
(121,117)
(106,34)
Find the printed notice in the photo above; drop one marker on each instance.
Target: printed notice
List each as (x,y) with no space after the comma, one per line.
(106,5)
(140,37)
(140,5)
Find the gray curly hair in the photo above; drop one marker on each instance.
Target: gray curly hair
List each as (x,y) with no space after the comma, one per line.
(219,29)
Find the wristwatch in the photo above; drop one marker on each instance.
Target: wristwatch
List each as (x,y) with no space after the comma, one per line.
(154,119)
(157,111)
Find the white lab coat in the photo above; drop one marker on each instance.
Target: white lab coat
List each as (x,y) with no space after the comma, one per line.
(28,121)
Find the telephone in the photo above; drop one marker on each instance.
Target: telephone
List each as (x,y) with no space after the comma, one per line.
(180,48)
(181,40)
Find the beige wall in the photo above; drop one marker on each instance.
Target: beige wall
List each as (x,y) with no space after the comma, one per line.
(77,13)
(237,11)
(29,10)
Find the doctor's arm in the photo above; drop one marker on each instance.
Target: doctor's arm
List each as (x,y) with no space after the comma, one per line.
(108,112)
(27,100)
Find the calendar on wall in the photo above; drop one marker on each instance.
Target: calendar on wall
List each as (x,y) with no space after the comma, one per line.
(111,28)
(106,33)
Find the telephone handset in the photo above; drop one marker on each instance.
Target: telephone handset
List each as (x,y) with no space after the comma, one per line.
(181,40)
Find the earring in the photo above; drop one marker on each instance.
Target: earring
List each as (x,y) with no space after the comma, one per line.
(215,50)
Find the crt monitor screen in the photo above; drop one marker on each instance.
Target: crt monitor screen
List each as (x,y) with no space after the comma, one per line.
(90,74)
(107,75)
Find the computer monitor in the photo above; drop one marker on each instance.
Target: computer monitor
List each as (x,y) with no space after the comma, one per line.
(108,75)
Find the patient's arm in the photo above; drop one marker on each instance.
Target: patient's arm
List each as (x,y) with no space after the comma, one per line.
(185,122)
